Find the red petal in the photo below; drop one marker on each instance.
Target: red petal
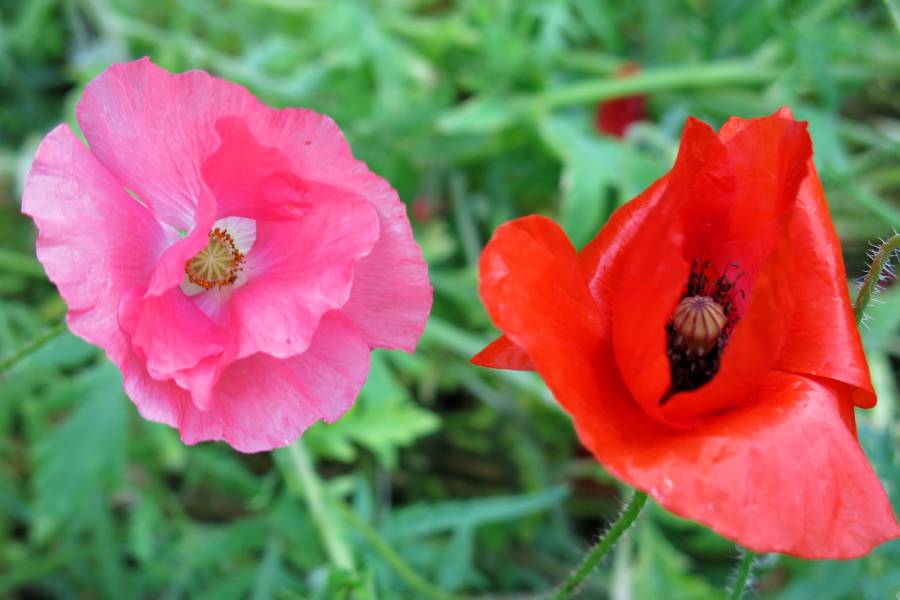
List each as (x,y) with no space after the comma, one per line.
(783,474)
(825,347)
(728,201)
(595,260)
(768,158)
(503,354)
(652,271)
(598,256)
(537,294)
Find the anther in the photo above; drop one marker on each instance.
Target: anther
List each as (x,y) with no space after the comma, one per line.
(218,264)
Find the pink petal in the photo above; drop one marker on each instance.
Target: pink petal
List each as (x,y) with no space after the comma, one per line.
(139,114)
(169,271)
(262,402)
(297,271)
(250,180)
(95,241)
(170,332)
(391,296)
(159,401)
(200,380)
(154,129)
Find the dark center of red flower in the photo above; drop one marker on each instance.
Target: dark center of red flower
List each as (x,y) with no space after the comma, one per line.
(218,264)
(700,327)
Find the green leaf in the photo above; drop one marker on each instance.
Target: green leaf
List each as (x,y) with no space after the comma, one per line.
(590,164)
(423,519)
(383,421)
(662,572)
(269,571)
(84,457)
(343,584)
(483,116)
(383,431)
(457,570)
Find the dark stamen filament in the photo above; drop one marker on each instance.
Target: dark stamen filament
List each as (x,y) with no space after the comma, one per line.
(700,327)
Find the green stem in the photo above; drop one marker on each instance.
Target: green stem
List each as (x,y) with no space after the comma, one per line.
(390,556)
(314,492)
(32,346)
(881,258)
(894,12)
(663,79)
(602,548)
(743,575)
(320,500)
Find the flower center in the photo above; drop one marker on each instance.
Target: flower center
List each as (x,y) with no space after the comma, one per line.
(698,321)
(218,264)
(700,327)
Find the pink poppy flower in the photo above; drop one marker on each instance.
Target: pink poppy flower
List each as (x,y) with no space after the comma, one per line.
(235,261)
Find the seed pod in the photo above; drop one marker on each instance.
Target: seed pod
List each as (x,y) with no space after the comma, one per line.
(699,321)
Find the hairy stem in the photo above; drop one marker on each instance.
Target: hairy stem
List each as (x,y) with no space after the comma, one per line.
(870,283)
(742,576)
(603,546)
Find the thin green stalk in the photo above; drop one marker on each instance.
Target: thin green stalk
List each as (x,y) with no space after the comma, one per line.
(693,77)
(663,79)
(465,224)
(894,11)
(603,546)
(742,577)
(879,261)
(317,495)
(32,346)
(390,556)
(314,492)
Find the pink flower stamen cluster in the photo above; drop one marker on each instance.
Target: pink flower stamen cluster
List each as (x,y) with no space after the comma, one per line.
(218,264)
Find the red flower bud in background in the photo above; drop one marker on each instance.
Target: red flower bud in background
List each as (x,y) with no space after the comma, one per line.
(421,211)
(704,343)
(615,116)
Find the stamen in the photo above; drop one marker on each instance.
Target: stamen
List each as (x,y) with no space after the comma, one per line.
(700,327)
(218,264)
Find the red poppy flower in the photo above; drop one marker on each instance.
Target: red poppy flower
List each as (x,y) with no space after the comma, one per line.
(615,116)
(704,343)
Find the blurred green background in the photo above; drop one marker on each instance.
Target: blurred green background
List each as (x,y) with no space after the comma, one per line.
(470,480)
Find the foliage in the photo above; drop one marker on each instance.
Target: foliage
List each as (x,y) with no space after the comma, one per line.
(476,112)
